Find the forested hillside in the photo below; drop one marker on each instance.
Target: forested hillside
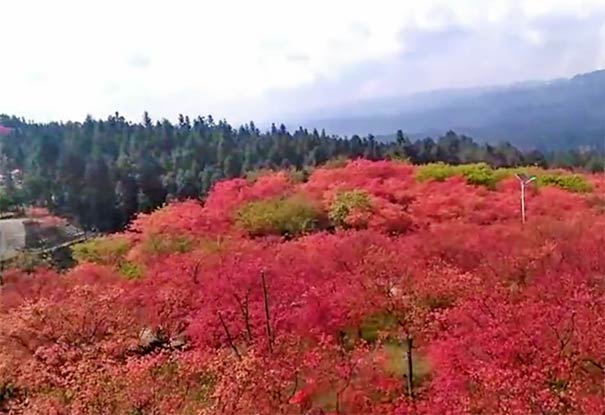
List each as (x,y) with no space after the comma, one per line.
(100,173)
(369,287)
(556,114)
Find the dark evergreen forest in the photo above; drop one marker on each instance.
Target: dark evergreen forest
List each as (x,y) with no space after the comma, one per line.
(100,173)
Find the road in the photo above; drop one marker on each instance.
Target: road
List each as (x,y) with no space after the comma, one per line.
(12,237)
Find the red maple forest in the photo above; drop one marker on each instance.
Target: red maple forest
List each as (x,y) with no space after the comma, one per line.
(368,288)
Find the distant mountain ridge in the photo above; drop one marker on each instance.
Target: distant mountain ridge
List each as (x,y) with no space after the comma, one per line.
(555,114)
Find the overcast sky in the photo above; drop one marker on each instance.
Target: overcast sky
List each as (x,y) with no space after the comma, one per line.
(262,59)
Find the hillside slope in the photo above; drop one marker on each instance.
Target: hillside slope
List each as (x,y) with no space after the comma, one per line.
(369,288)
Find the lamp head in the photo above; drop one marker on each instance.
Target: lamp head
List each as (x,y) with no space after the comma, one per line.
(524,178)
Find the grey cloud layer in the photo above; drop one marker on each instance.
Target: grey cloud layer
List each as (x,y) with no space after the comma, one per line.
(460,56)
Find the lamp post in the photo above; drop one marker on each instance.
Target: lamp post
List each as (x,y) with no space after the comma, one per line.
(524,180)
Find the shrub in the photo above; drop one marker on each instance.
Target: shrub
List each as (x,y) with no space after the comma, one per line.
(300,176)
(479,174)
(336,163)
(253,175)
(435,171)
(167,244)
(505,173)
(110,251)
(347,202)
(597,203)
(397,158)
(289,216)
(294,174)
(377,325)
(130,270)
(104,250)
(571,182)
(483,175)
(28,262)
(214,245)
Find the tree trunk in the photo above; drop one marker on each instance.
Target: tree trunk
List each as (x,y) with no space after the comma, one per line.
(410,372)
(267,313)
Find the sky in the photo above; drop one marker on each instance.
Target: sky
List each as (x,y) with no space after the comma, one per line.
(262,59)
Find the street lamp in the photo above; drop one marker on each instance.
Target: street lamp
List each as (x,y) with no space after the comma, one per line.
(524,180)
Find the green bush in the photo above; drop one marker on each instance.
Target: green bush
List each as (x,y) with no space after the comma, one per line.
(570,182)
(296,175)
(483,175)
(510,172)
(397,158)
(436,171)
(130,270)
(213,245)
(505,173)
(7,201)
(167,244)
(253,175)
(563,180)
(300,176)
(478,174)
(345,202)
(109,251)
(28,261)
(104,250)
(336,163)
(289,216)
(372,327)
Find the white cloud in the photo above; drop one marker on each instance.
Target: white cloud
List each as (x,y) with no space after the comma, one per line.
(63,59)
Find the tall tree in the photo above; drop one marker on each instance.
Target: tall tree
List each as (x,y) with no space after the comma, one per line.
(146,163)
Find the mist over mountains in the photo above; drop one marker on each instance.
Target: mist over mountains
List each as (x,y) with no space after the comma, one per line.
(555,114)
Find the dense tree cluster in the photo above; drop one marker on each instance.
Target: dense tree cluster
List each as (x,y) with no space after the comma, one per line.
(376,287)
(101,172)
